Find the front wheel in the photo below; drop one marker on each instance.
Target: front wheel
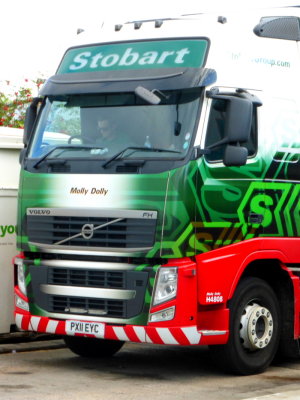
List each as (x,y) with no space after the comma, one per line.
(254,329)
(92,347)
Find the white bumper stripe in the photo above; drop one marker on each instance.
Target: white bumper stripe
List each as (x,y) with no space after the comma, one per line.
(148,340)
(120,333)
(51,327)
(166,336)
(34,323)
(140,333)
(192,334)
(18,319)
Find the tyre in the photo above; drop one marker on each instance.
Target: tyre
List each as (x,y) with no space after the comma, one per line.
(254,329)
(92,347)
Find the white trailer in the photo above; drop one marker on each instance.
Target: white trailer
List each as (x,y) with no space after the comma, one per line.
(10,144)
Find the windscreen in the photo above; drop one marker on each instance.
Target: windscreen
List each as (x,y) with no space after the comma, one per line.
(100,126)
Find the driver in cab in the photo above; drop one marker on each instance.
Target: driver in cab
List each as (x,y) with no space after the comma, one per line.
(109,139)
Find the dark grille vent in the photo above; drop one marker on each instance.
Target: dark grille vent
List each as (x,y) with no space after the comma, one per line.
(80,305)
(126,233)
(86,278)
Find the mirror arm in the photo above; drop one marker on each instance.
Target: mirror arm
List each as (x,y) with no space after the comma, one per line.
(214,93)
(217,144)
(251,97)
(199,152)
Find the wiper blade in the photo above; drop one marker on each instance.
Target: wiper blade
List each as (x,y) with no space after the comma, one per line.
(63,147)
(148,149)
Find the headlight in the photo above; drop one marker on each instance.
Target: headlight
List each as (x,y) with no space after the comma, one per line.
(21,277)
(166,285)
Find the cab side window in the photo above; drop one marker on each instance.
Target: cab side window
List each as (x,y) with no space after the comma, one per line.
(216,131)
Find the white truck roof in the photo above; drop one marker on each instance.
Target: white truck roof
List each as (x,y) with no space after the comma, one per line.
(240,57)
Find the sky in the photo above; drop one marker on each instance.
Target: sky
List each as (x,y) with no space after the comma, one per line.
(35,33)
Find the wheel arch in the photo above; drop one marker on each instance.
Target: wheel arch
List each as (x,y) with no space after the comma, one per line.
(275,273)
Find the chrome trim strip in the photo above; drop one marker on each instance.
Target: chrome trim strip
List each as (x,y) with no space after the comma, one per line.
(95,293)
(103,266)
(84,317)
(88,250)
(294,269)
(213,333)
(91,212)
(50,248)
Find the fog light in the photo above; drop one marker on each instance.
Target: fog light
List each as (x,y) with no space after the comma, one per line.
(20,303)
(164,315)
(166,285)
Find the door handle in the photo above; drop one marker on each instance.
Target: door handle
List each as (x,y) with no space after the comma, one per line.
(254,218)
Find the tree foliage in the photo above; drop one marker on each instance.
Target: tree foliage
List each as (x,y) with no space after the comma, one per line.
(13,106)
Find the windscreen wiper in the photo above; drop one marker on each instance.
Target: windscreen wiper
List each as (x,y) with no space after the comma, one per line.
(63,147)
(148,149)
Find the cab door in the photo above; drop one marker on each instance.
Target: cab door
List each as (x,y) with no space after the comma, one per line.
(232,197)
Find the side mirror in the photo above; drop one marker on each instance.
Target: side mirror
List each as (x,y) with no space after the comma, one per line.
(235,156)
(237,112)
(231,121)
(30,118)
(238,120)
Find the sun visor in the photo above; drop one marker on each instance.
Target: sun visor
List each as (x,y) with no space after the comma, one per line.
(127,81)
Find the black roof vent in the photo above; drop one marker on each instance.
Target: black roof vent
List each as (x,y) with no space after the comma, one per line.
(222,20)
(137,24)
(287,28)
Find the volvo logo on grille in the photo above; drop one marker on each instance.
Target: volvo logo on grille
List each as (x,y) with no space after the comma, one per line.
(87,231)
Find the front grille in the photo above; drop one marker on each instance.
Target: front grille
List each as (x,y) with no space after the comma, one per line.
(86,278)
(126,233)
(114,282)
(79,305)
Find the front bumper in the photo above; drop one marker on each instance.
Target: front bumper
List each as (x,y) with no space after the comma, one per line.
(171,335)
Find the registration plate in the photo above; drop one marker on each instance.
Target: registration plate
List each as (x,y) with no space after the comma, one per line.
(86,328)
